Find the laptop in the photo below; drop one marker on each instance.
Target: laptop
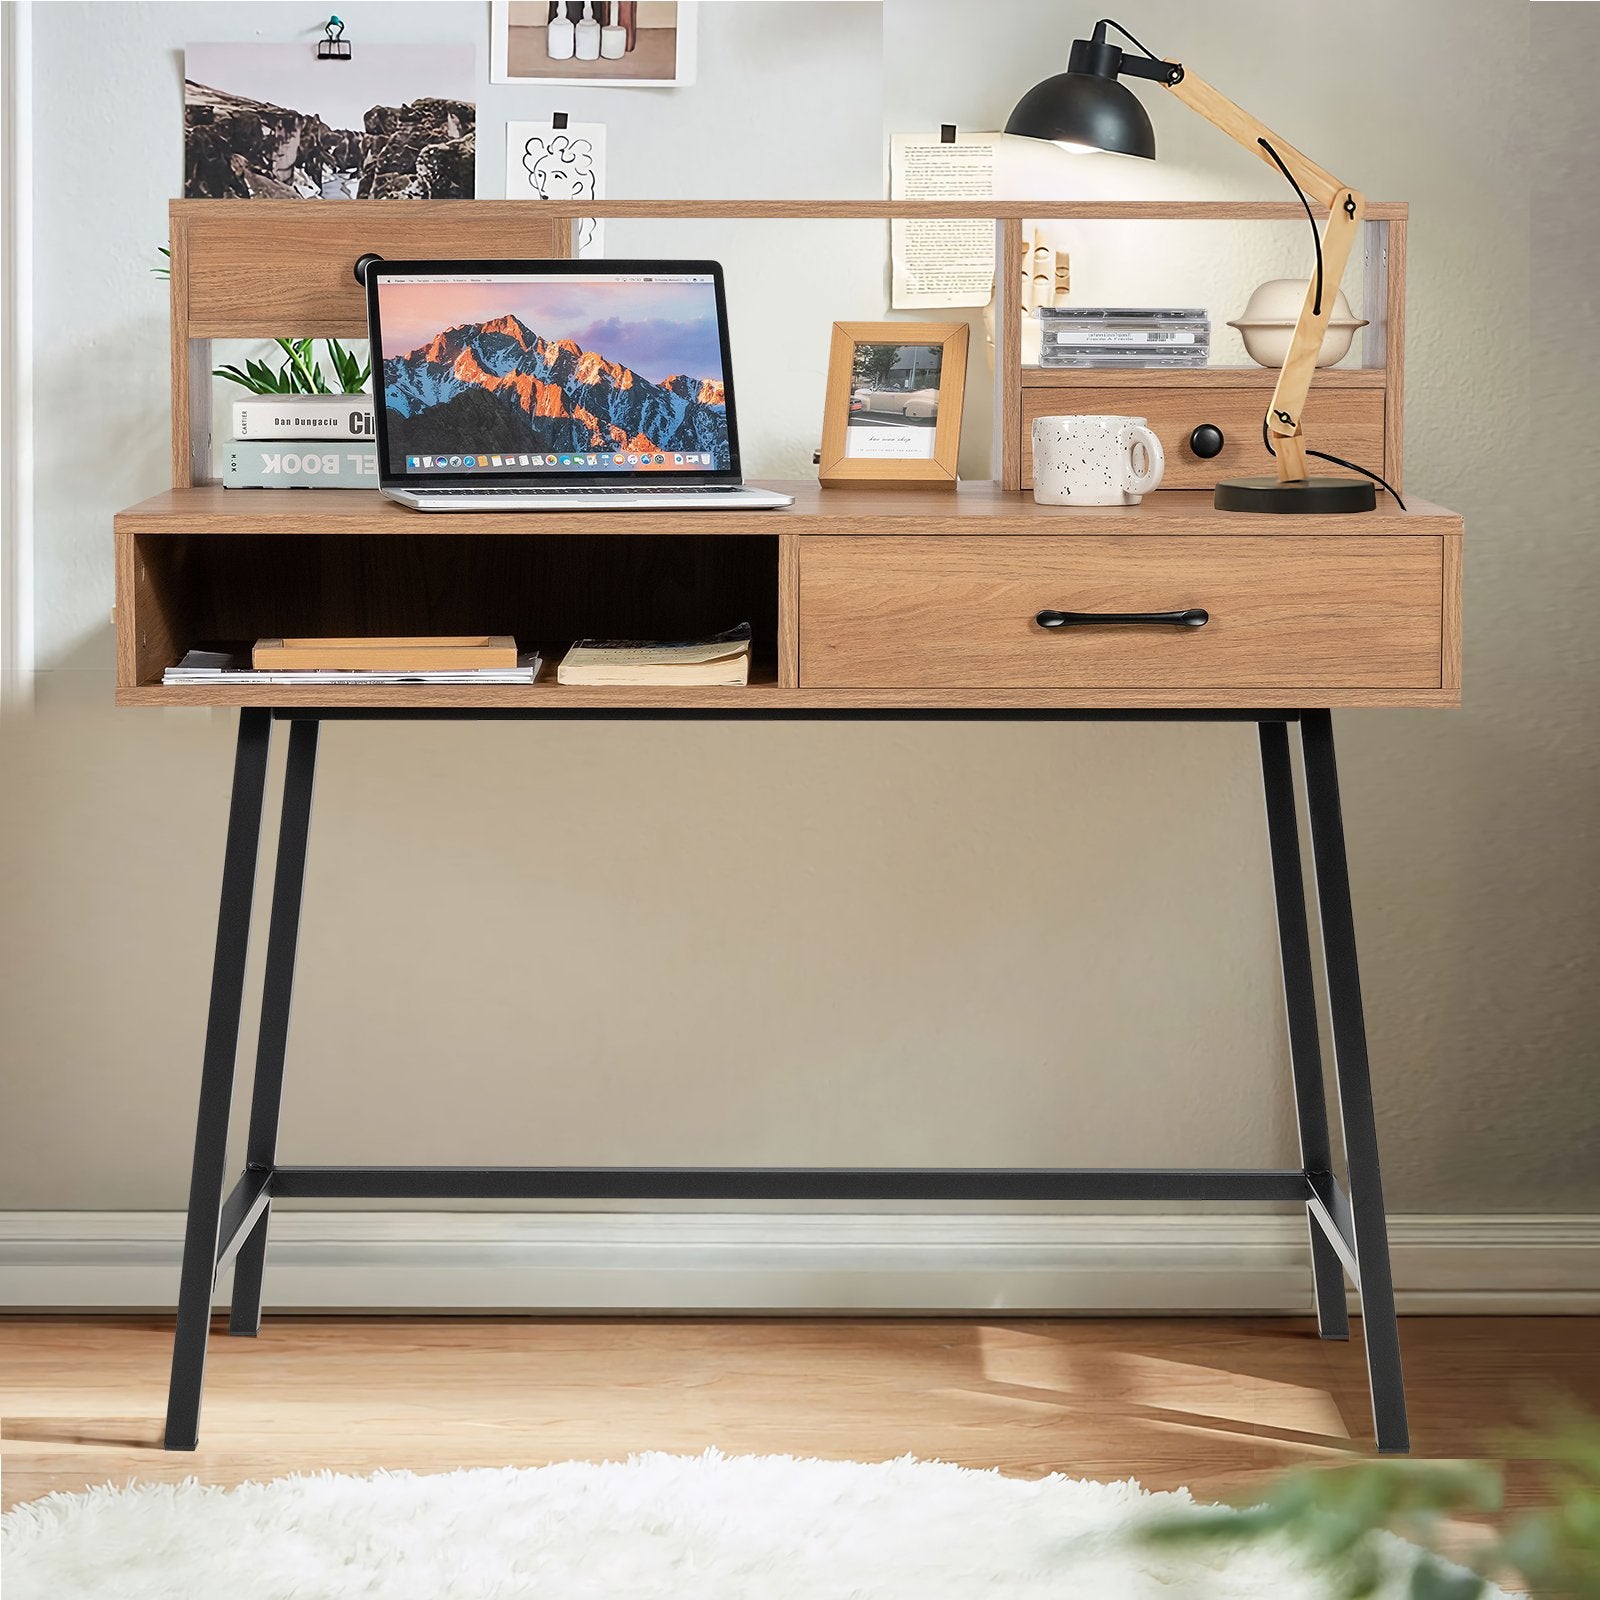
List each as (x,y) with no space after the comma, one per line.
(555,385)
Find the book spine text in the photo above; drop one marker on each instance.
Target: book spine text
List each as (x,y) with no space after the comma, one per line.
(304,417)
(295,466)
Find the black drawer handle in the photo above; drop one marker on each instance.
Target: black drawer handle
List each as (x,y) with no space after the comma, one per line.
(1194,617)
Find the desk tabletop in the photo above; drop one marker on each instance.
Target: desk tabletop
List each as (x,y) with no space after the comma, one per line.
(861,598)
(974,509)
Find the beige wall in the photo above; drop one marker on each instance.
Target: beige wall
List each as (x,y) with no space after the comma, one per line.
(813,944)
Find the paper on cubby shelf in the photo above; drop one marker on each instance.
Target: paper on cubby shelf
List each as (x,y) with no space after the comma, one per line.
(941,261)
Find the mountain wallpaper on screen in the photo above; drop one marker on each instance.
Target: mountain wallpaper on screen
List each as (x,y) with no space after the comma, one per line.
(498,386)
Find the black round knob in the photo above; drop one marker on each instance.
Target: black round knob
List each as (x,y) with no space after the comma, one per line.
(1207,440)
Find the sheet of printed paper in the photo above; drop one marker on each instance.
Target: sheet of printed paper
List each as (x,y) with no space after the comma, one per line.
(544,162)
(941,261)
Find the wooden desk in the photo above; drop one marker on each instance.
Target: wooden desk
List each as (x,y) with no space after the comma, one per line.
(865,604)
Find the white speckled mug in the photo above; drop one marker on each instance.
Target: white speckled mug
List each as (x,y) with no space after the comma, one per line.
(1094,461)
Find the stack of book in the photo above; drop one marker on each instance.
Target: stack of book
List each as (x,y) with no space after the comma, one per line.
(1123,337)
(720,661)
(343,663)
(302,441)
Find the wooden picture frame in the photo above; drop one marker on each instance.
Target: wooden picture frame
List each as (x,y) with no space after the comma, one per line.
(932,466)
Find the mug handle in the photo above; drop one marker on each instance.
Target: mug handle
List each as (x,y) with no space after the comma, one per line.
(1155,462)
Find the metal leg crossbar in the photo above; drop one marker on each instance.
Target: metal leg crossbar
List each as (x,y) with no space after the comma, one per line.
(1349,1235)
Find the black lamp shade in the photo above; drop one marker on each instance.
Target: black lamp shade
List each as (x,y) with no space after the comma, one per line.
(1087,110)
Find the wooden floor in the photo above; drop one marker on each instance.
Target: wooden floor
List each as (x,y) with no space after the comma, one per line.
(1207,1403)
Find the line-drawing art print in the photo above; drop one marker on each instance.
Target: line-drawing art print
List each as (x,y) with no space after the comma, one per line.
(566,166)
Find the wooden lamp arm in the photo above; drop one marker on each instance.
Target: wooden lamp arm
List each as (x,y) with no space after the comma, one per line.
(1345,207)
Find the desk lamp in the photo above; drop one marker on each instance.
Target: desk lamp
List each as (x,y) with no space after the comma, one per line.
(1086,109)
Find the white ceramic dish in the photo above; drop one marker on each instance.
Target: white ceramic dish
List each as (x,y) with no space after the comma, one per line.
(1268,324)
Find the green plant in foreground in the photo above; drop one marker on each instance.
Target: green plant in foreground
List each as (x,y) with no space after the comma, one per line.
(302,372)
(1557,1547)
(1335,1517)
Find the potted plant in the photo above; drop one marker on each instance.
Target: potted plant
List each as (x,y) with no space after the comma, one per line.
(301,372)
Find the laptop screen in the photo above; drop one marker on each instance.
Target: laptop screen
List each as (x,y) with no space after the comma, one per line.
(551,371)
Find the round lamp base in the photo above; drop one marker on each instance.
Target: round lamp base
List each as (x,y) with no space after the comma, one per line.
(1307,497)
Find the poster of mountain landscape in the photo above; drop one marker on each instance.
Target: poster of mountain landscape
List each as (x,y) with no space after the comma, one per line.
(554,364)
(394,122)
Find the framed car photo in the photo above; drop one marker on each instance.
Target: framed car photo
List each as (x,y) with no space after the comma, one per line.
(893,410)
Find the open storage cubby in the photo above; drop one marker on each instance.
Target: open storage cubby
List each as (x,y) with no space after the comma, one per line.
(195,589)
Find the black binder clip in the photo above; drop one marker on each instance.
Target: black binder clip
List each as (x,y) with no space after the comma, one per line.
(558,119)
(947,133)
(335,47)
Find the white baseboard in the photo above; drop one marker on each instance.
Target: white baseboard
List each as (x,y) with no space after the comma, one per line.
(792,1263)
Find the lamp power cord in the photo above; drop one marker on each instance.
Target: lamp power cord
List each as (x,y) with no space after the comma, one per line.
(1111,22)
(1316,310)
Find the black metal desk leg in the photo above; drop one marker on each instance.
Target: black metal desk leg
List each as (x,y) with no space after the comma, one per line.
(261,1152)
(1353,1075)
(1300,1006)
(216,1080)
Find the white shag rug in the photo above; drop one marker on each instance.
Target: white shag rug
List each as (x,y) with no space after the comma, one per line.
(708,1527)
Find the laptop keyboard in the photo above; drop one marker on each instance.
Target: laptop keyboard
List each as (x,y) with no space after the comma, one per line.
(577,489)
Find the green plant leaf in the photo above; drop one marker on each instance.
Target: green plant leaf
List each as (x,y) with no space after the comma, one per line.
(348,368)
(279,382)
(256,376)
(234,375)
(1213,1525)
(1556,1551)
(1359,1568)
(305,375)
(1430,1580)
(307,349)
(1333,1516)
(301,372)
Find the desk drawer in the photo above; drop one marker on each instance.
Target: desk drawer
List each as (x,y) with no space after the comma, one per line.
(1345,422)
(1285,611)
